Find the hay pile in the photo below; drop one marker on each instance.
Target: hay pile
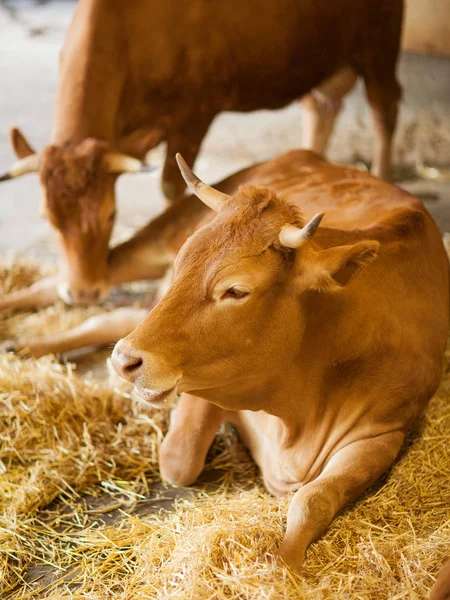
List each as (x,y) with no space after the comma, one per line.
(18,273)
(84,515)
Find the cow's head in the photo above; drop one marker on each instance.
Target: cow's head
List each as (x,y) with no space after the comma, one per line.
(78,200)
(240,301)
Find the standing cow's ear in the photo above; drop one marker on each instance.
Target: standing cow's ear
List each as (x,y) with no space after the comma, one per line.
(20,144)
(332,269)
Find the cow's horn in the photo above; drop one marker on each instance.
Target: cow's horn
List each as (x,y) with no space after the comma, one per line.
(294,237)
(207,194)
(29,164)
(116,162)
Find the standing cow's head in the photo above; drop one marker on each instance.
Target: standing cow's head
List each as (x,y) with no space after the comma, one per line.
(238,307)
(78,200)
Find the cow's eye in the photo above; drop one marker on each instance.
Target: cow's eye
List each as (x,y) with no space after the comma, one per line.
(112,216)
(234,293)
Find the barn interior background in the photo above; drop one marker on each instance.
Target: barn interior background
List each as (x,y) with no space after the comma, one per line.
(397,558)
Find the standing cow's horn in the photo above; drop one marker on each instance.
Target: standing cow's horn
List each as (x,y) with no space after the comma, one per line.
(207,194)
(294,237)
(29,164)
(115,162)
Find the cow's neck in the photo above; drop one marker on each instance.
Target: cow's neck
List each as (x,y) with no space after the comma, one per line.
(91,79)
(87,110)
(291,424)
(286,392)
(296,389)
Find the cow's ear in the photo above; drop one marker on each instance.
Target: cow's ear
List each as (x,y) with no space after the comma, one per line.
(332,269)
(20,144)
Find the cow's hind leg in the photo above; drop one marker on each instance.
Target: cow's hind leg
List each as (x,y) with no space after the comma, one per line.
(100,330)
(321,107)
(383,100)
(192,429)
(382,46)
(349,472)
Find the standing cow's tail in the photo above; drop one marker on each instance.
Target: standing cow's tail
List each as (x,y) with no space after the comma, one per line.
(441,589)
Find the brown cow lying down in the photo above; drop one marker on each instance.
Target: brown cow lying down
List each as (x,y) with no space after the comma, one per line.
(321,340)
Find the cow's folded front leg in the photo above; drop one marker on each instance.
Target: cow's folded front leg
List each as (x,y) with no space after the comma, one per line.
(100,330)
(40,294)
(192,429)
(349,472)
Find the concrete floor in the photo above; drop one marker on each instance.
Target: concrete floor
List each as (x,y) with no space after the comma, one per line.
(32,34)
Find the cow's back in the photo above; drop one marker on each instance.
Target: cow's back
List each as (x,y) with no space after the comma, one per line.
(350,198)
(225,49)
(148,58)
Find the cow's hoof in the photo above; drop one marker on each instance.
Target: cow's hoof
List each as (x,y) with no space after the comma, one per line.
(9,346)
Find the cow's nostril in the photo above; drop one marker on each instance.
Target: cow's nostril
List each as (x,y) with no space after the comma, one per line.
(127,362)
(133,366)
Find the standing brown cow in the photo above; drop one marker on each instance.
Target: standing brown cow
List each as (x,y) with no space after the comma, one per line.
(138,72)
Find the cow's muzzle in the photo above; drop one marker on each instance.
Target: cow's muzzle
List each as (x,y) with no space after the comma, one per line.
(82,296)
(153,381)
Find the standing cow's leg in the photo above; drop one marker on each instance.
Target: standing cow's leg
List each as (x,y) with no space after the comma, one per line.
(184,137)
(321,107)
(100,330)
(379,71)
(40,294)
(193,426)
(349,472)
(383,100)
